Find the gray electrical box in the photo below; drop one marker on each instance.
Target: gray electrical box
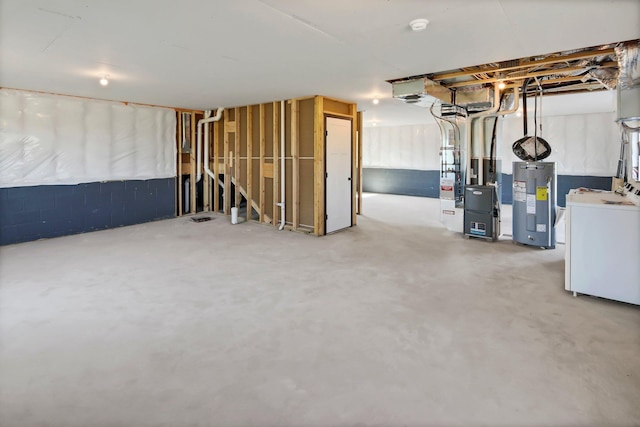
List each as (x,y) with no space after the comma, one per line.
(481,212)
(534,203)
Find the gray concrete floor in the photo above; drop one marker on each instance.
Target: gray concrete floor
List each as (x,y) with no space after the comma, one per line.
(393,322)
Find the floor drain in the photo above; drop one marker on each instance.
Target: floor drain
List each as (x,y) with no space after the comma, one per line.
(201,219)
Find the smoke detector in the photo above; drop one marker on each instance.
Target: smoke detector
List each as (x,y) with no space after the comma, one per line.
(419,24)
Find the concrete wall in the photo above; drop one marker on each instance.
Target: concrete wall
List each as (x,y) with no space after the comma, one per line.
(31,213)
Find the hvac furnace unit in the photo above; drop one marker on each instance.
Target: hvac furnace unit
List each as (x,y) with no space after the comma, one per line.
(534,203)
(481,212)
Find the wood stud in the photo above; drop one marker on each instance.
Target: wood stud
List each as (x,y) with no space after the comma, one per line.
(249,142)
(295,168)
(227,162)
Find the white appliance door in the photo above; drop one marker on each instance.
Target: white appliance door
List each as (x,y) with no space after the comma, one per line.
(338,174)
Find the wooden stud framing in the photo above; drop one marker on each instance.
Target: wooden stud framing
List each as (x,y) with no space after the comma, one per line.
(276,162)
(192,175)
(227,174)
(295,157)
(236,163)
(249,142)
(262,143)
(318,166)
(216,168)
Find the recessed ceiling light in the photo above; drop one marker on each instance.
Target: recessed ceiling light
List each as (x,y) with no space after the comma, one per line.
(419,24)
(104,81)
(376,101)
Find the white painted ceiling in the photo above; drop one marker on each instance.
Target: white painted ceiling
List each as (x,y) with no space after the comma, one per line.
(206,53)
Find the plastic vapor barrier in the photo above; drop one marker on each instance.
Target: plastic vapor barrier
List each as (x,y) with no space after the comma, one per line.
(582,144)
(402,147)
(55,139)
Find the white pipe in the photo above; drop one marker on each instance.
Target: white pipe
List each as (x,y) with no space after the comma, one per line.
(207,113)
(470,119)
(217,117)
(282,171)
(206,119)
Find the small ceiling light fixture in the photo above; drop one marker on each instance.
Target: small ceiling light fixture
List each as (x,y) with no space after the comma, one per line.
(419,24)
(501,85)
(104,81)
(374,124)
(376,101)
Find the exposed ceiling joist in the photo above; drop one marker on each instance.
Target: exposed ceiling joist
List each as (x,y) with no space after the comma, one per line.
(550,72)
(524,64)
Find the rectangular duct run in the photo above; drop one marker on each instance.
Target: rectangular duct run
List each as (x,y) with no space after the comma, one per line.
(424,92)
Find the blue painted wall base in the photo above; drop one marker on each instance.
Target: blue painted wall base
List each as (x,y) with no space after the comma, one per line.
(427,183)
(31,213)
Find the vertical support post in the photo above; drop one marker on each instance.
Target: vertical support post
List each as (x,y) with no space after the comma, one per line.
(318,166)
(249,160)
(276,163)
(295,160)
(262,144)
(192,175)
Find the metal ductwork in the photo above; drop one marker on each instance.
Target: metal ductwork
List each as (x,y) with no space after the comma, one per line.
(628,81)
(421,91)
(629,63)
(424,92)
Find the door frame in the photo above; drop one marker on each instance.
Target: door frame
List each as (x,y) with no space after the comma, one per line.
(349,119)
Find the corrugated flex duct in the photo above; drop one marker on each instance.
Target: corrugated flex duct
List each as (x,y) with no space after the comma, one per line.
(629,63)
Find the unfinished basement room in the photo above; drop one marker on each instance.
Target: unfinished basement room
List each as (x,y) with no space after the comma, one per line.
(319,213)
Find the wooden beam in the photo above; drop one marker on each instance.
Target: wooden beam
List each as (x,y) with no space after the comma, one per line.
(276,162)
(192,175)
(525,64)
(295,168)
(262,144)
(216,166)
(318,167)
(227,172)
(249,143)
(359,162)
(236,163)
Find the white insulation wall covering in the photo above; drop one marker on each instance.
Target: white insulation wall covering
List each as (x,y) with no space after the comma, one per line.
(582,144)
(402,147)
(54,139)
